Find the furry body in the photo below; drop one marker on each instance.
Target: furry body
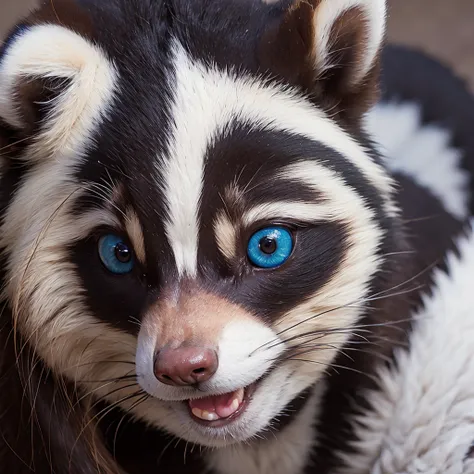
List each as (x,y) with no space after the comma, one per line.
(186,145)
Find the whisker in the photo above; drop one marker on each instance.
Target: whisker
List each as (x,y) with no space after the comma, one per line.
(10,145)
(112,379)
(91,392)
(134,405)
(135,320)
(100,416)
(376,297)
(296,325)
(103,362)
(337,366)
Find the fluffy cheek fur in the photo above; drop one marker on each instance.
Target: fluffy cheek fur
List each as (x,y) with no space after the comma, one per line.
(44,289)
(42,285)
(49,307)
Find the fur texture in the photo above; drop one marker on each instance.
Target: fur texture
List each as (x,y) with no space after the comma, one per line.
(422,413)
(182,148)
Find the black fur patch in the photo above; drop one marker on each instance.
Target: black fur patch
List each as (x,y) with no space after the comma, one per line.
(129,150)
(444,98)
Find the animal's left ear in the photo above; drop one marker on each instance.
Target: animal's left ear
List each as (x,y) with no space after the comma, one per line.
(330,48)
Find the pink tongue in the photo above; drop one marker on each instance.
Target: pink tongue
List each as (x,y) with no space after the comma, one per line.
(219,404)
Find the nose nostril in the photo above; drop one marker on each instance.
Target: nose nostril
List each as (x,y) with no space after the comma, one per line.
(185,365)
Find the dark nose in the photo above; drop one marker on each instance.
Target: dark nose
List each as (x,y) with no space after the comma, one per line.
(185,365)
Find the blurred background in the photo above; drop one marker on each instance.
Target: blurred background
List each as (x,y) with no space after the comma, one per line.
(444,28)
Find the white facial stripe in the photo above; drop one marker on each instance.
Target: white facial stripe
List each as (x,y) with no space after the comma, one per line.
(196,121)
(51,51)
(92,219)
(364,238)
(325,16)
(301,211)
(208,99)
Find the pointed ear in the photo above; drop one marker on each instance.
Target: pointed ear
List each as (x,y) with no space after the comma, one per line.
(330,48)
(55,85)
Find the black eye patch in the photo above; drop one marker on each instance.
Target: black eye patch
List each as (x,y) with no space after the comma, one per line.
(117,301)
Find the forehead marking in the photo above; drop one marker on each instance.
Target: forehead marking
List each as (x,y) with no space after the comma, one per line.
(205,101)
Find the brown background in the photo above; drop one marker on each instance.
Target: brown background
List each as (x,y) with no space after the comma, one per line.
(441,27)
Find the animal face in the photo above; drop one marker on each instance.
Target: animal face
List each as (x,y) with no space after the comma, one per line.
(193,220)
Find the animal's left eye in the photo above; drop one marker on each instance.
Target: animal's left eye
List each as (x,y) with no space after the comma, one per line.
(115,254)
(270,247)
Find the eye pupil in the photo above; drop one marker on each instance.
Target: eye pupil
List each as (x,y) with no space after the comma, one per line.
(122,253)
(268,245)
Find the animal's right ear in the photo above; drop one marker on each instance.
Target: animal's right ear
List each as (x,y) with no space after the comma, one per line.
(55,85)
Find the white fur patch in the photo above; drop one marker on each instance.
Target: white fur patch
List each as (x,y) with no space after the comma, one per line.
(213,98)
(244,357)
(423,416)
(285,452)
(421,152)
(326,15)
(240,364)
(51,51)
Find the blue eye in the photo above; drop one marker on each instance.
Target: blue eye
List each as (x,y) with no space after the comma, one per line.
(270,247)
(115,254)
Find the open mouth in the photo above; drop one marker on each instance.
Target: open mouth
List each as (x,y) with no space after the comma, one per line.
(220,410)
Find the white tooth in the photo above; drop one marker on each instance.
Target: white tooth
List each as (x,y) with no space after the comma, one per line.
(204,415)
(235,405)
(240,395)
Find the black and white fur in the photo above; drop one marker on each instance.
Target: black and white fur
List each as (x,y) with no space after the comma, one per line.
(184,126)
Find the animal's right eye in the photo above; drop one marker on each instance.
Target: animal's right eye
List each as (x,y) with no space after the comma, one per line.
(115,254)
